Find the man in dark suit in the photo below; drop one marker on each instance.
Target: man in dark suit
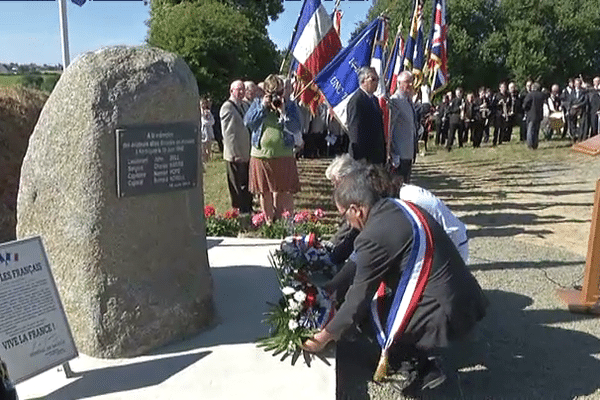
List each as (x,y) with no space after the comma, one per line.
(516,112)
(533,105)
(578,106)
(456,111)
(594,101)
(445,303)
(502,105)
(365,120)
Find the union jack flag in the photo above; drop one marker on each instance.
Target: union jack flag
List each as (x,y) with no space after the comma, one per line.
(438,55)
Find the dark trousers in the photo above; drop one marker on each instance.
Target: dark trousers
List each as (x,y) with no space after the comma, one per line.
(577,126)
(486,130)
(533,132)
(442,131)
(476,133)
(594,124)
(456,127)
(500,130)
(237,180)
(507,132)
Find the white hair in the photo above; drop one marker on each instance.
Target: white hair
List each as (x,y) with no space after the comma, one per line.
(340,167)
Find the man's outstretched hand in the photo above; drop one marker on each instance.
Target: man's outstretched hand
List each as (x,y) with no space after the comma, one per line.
(318,342)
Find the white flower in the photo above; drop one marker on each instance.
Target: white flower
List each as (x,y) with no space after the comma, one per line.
(300,296)
(294,306)
(292,324)
(288,290)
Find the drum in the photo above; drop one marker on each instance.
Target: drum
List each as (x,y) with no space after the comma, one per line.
(556,120)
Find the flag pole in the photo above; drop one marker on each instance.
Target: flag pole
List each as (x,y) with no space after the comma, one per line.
(64,34)
(296,97)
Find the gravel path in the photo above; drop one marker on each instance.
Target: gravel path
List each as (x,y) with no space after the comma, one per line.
(529,221)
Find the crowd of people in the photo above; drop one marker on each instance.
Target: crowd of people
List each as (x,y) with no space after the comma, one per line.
(572,112)
(262,130)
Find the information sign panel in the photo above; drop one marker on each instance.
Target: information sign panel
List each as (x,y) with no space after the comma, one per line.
(34,333)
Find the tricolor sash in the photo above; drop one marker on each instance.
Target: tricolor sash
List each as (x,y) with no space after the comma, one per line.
(410,288)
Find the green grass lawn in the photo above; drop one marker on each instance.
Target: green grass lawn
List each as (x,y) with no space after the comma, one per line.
(216,192)
(9,80)
(316,190)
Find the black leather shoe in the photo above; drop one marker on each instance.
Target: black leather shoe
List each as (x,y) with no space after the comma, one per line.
(431,376)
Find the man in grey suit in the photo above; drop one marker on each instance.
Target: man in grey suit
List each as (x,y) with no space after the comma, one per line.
(403,135)
(533,105)
(236,147)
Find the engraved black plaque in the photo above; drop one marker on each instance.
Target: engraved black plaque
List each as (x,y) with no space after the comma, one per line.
(156,158)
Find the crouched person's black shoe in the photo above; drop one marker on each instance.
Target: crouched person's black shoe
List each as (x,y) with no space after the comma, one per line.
(429,376)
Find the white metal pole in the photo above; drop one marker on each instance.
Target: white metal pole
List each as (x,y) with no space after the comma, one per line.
(64,33)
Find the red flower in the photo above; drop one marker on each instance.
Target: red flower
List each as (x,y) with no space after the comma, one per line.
(209,211)
(311,297)
(232,214)
(319,213)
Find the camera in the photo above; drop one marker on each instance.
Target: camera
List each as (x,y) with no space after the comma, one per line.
(276,99)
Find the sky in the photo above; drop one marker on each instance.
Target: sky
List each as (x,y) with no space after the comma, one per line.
(30,30)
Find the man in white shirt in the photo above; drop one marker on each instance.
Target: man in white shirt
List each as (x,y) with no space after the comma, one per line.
(441,213)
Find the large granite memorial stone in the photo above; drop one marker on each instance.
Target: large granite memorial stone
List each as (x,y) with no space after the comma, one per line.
(132,271)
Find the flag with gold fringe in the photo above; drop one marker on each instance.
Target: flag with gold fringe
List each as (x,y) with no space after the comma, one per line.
(437,64)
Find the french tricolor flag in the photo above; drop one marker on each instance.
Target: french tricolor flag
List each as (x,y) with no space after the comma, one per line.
(315,41)
(394,66)
(314,44)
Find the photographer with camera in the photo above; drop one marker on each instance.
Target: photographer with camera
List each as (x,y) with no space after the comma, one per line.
(273,121)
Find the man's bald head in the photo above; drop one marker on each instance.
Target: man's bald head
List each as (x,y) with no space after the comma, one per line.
(405,83)
(237,91)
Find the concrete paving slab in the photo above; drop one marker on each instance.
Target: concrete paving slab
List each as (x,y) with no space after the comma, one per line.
(221,363)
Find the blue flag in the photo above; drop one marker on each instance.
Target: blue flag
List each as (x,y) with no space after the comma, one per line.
(79,2)
(339,79)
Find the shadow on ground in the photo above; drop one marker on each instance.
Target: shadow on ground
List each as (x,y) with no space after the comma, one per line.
(494,199)
(125,377)
(514,355)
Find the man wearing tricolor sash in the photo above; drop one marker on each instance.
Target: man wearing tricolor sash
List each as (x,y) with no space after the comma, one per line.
(408,277)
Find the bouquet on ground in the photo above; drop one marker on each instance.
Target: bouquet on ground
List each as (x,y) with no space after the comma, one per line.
(303,308)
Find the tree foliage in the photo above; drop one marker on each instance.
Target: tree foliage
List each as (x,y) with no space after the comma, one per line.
(220,40)
(490,41)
